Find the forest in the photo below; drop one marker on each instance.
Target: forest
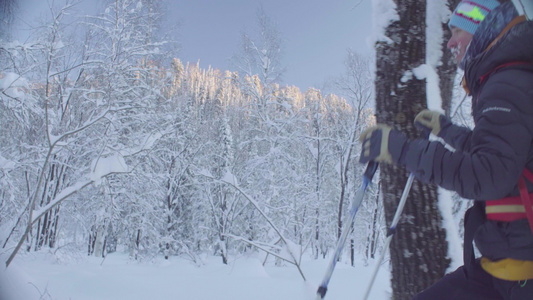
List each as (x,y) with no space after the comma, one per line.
(109,142)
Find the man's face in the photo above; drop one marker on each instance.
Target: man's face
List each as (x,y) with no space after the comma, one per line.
(459,42)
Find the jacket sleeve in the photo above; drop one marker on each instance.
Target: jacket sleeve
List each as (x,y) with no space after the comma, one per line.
(458,137)
(490,166)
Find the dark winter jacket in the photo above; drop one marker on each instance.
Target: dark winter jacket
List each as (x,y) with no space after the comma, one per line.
(488,160)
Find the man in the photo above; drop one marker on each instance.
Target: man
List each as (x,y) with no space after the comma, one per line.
(490,163)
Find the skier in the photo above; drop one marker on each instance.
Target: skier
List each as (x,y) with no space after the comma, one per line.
(491,163)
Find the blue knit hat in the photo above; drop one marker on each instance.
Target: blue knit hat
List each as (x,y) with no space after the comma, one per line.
(470,13)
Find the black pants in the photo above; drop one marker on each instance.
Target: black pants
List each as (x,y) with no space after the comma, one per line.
(476,285)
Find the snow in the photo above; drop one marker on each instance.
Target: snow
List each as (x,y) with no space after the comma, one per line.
(104,166)
(44,275)
(150,140)
(384,12)
(455,244)
(8,79)
(429,73)
(230,178)
(12,85)
(65,193)
(6,164)
(438,13)
(205,172)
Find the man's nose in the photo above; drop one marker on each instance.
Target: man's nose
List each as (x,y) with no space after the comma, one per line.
(451,43)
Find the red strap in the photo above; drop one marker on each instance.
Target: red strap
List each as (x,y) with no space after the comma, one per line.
(506,214)
(525,195)
(529,176)
(514,63)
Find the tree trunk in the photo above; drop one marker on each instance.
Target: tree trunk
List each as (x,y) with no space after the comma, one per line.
(99,241)
(47,224)
(419,249)
(317,233)
(92,240)
(373,237)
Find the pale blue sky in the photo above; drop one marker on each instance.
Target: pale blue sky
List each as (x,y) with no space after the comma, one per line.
(316,33)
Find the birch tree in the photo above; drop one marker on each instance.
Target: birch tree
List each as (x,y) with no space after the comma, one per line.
(259,58)
(355,84)
(65,120)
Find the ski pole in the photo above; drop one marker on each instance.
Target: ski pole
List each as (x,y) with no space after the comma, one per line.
(392,230)
(367,178)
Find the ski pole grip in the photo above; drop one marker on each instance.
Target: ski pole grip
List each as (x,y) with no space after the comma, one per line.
(371,169)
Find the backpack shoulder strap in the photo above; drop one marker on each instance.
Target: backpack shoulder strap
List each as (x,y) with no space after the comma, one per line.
(528,175)
(525,196)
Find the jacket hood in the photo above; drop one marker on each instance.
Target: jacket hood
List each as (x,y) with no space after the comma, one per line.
(488,30)
(515,46)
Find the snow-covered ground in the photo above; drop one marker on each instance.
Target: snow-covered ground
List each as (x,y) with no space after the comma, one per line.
(44,276)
